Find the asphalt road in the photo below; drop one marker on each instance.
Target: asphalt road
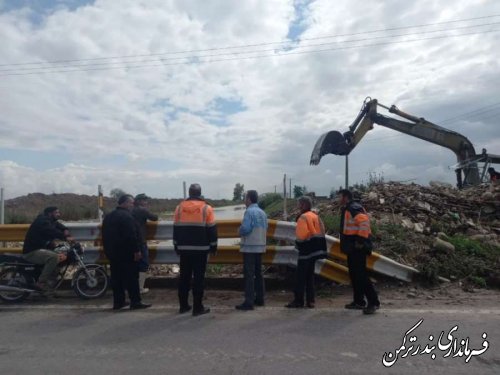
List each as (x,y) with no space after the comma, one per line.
(59,338)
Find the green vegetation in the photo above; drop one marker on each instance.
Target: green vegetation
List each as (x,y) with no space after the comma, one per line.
(215,269)
(238,192)
(471,261)
(395,241)
(268,199)
(331,221)
(272,204)
(16,218)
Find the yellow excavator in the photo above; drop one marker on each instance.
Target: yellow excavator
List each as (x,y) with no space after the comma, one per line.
(466,169)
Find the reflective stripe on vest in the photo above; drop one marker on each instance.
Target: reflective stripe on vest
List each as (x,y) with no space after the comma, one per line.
(356,226)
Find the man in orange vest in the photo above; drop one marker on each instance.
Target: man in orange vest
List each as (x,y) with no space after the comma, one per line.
(195,235)
(355,242)
(311,244)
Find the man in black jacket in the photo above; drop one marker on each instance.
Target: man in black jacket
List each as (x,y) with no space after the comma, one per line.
(195,236)
(39,243)
(122,245)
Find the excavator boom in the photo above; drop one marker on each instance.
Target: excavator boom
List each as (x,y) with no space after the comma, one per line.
(334,142)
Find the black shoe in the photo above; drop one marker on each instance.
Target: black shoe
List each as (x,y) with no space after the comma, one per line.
(140,305)
(119,306)
(184,309)
(243,307)
(310,305)
(203,311)
(370,309)
(258,303)
(40,287)
(294,305)
(355,306)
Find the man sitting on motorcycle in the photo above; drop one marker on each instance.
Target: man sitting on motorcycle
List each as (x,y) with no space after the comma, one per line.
(39,244)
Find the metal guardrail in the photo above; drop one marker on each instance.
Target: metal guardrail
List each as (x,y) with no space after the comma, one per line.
(279,230)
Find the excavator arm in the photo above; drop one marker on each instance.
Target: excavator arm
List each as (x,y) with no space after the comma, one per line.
(336,143)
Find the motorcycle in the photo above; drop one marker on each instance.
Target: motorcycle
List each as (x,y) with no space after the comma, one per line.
(18,276)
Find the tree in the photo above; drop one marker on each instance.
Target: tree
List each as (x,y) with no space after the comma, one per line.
(238,192)
(333,193)
(298,191)
(116,193)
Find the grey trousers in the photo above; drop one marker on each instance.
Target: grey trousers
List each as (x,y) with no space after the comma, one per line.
(48,259)
(254,282)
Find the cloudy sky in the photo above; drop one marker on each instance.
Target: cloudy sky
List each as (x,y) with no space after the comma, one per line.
(145,94)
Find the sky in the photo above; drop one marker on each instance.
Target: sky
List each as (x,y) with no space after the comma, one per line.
(142,95)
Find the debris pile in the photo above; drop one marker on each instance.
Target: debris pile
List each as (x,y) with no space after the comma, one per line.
(440,230)
(473,212)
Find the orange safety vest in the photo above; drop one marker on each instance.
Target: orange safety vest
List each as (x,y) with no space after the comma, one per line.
(358,225)
(310,236)
(194,226)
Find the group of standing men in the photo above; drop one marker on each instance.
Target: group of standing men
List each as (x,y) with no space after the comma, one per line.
(195,237)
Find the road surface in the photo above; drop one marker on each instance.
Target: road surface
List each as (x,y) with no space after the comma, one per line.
(57,337)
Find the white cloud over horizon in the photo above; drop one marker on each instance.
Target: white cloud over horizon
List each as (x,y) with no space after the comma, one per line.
(242,120)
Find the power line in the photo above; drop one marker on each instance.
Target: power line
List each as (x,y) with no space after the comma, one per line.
(251,57)
(85,65)
(488,108)
(257,44)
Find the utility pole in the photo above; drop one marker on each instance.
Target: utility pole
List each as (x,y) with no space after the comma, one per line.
(347,171)
(285,214)
(274,189)
(100,203)
(290,190)
(184,188)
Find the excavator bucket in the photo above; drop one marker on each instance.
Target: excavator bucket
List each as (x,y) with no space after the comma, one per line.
(332,142)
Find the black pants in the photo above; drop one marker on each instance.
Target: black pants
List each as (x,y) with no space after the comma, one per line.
(254,282)
(125,276)
(193,264)
(305,281)
(361,284)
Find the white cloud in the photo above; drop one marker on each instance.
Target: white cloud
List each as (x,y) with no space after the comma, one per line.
(166,113)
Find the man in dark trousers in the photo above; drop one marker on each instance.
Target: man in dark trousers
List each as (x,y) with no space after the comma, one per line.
(39,244)
(141,214)
(355,242)
(253,231)
(310,242)
(122,245)
(195,235)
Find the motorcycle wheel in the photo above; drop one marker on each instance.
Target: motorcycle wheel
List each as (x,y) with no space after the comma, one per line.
(12,277)
(90,287)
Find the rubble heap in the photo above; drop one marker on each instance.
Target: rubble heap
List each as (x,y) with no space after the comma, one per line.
(474,212)
(440,230)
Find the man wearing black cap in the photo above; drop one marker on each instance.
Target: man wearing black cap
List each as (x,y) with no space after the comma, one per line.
(141,214)
(39,243)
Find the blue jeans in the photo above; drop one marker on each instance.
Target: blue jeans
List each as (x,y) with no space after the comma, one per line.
(254,282)
(144,262)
